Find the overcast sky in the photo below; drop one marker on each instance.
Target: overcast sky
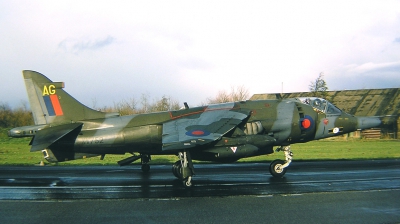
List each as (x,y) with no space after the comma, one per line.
(190,50)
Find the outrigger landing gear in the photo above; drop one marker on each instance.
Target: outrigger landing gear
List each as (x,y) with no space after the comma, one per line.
(145,159)
(183,168)
(278,167)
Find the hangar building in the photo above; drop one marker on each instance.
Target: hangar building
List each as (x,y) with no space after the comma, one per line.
(364,102)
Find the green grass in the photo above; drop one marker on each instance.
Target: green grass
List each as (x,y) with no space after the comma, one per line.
(16,152)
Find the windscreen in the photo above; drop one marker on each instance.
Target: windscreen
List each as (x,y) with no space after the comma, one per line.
(320,105)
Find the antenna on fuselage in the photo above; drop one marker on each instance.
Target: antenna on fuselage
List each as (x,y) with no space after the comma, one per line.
(186,105)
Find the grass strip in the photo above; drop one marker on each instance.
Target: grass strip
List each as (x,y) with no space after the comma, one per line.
(16,152)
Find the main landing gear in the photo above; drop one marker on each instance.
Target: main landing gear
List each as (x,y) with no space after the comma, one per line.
(183,169)
(278,167)
(144,160)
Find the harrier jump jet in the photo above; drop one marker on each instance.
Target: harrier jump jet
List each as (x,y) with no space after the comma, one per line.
(66,130)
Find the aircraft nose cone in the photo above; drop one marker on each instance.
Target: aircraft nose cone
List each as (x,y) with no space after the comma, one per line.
(368,122)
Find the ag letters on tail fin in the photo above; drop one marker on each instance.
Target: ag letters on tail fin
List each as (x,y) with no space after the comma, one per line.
(51,99)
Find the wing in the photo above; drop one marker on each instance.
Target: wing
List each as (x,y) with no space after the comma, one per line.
(200,129)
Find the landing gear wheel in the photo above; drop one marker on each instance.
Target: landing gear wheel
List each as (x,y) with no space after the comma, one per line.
(187,183)
(275,168)
(176,169)
(145,168)
(183,169)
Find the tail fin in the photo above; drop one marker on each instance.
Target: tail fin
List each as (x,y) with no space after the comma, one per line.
(51,104)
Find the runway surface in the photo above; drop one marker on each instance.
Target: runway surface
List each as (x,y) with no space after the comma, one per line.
(310,192)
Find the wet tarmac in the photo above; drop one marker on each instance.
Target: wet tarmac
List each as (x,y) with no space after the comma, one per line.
(113,182)
(326,192)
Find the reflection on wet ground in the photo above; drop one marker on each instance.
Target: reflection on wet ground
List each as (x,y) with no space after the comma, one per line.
(99,182)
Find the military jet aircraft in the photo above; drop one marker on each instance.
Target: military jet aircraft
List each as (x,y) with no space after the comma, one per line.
(67,130)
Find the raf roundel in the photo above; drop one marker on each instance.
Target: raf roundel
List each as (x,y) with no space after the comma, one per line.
(198,133)
(306,123)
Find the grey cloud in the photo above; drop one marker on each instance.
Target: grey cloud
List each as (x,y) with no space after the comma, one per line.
(76,46)
(365,76)
(397,40)
(362,81)
(376,67)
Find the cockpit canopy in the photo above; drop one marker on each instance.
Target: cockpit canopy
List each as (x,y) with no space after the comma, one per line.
(320,105)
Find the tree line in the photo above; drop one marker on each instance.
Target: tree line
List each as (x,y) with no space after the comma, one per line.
(22,115)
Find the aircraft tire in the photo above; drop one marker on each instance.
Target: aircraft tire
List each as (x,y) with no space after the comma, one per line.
(176,169)
(274,168)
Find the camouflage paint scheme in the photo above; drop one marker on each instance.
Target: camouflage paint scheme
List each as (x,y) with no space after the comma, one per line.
(66,130)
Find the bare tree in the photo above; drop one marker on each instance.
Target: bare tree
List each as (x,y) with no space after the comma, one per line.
(126,107)
(165,104)
(144,101)
(239,93)
(221,97)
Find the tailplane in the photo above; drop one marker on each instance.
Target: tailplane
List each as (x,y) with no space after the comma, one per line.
(51,104)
